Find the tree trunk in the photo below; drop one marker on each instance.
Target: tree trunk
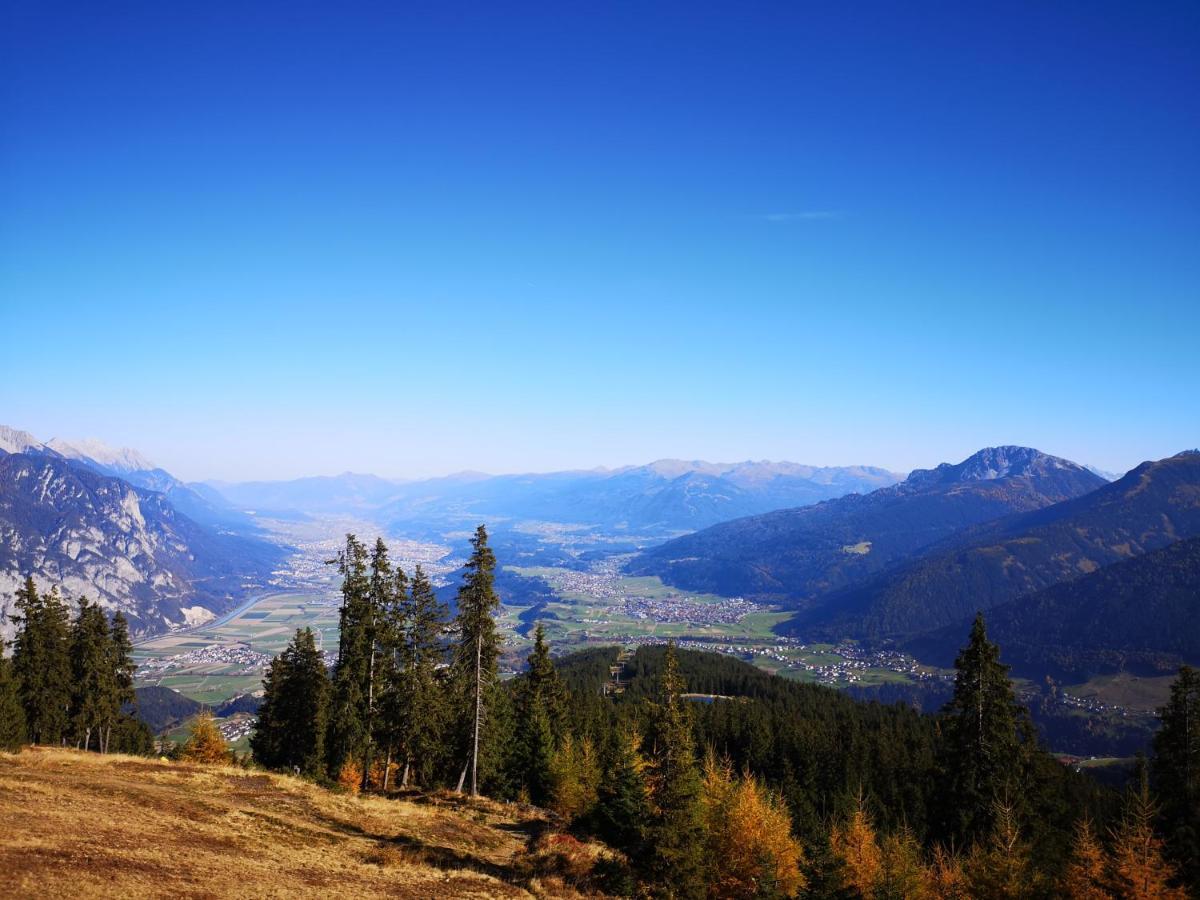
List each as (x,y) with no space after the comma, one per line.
(462,776)
(404,778)
(387,769)
(478,710)
(366,775)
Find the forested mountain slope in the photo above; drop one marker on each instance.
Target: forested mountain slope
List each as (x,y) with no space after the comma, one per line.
(1141,614)
(797,554)
(1152,506)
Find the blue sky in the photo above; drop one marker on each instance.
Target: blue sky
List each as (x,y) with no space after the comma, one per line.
(417,238)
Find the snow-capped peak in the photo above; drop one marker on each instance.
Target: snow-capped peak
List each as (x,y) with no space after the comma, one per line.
(14,441)
(121,459)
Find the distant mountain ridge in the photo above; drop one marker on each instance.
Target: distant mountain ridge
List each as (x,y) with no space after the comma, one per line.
(796,555)
(121,460)
(661,497)
(1150,507)
(195,501)
(667,495)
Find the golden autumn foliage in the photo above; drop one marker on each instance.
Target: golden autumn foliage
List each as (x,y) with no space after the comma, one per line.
(855,846)
(575,775)
(384,774)
(902,872)
(350,776)
(751,848)
(1087,876)
(946,878)
(1002,868)
(893,865)
(204,742)
(1139,870)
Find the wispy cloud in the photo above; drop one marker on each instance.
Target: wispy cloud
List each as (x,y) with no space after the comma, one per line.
(805,215)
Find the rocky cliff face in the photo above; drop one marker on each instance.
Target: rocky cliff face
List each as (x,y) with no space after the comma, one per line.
(129,548)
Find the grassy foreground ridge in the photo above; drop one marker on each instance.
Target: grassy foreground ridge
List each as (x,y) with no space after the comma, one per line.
(86,825)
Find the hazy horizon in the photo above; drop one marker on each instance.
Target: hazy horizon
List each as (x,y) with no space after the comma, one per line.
(274,475)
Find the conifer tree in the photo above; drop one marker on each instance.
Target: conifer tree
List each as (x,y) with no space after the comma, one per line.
(1139,869)
(421,700)
(1086,876)
(124,667)
(205,743)
(676,832)
(1001,867)
(12,715)
(1175,771)
(751,851)
(856,848)
(290,732)
(574,778)
(477,651)
(540,713)
(42,662)
(94,688)
(347,726)
(390,674)
(622,803)
(902,876)
(981,754)
(382,585)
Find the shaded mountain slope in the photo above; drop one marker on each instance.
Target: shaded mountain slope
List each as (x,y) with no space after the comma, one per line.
(798,554)
(1141,614)
(1152,506)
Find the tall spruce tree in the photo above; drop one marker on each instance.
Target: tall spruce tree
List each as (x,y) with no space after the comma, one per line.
(540,715)
(420,701)
(984,732)
(392,637)
(1175,770)
(476,653)
(382,602)
(290,732)
(622,808)
(12,715)
(347,726)
(95,693)
(123,666)
(675,859)
(42,662)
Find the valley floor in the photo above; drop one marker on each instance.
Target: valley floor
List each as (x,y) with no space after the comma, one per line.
(85,825)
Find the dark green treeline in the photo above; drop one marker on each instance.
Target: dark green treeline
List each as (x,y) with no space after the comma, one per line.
(69,682)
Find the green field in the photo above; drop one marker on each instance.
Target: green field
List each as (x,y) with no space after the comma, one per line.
(584,617)
(266,628)
(1145,693)
(576,619)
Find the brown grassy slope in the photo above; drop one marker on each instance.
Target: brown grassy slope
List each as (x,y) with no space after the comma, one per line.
(80,824)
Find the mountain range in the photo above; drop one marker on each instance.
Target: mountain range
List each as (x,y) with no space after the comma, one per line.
(1078,572)
(795,555)
(663,497)
(1150,507)
(67,519)
(1039,540)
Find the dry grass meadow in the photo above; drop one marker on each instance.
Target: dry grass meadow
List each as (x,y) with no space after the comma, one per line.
(84,825)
